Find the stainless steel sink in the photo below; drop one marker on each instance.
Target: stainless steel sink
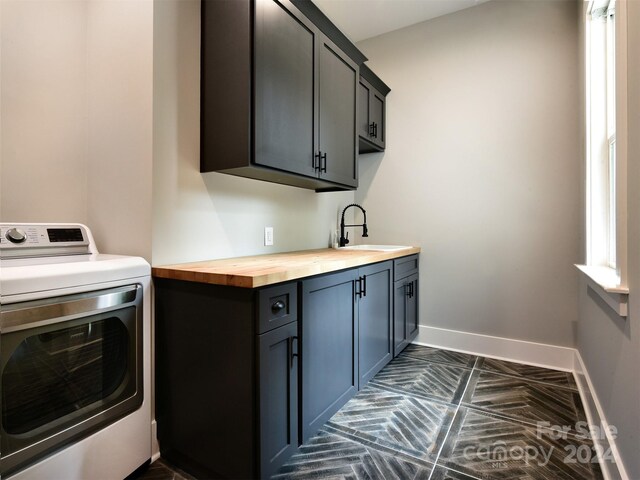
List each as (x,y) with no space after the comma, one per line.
(377,248)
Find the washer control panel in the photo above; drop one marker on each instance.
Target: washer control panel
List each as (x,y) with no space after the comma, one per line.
(26,240)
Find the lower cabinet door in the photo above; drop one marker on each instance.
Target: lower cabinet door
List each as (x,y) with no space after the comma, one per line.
(278,395)
(411,312)
(400,293)
(329,351)
(405,312)
(374,319)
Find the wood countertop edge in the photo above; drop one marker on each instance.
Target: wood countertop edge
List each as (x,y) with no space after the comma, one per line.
(212,271)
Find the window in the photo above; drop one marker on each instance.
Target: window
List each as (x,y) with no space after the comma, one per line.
(602,168)
(606,151)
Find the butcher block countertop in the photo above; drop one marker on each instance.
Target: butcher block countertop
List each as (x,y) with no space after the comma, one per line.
(261,270)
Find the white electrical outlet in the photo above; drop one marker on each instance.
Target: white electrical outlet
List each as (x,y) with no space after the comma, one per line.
(268,236)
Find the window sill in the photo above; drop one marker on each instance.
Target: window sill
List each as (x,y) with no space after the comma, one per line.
(606,283)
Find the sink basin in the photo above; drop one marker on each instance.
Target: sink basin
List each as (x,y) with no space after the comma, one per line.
(377,248)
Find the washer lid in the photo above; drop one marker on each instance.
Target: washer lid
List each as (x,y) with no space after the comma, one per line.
(26,276)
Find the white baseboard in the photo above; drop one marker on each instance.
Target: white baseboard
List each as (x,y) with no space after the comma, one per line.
(155,447)
(542,355)
(539,354)
(595,417)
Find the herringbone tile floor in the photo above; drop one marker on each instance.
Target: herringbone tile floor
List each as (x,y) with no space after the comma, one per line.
(439,415)
(442,415)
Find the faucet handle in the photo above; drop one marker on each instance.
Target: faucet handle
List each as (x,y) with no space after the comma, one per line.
(346,239)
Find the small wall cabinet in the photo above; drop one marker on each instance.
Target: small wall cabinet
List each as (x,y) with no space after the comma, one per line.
(278,96)
(372,94)
(405,302)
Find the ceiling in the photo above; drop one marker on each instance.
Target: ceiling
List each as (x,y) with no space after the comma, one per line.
(361,19)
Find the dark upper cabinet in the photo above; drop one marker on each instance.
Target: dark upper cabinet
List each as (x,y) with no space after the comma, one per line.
(278,96)
(371,123)
(285,133)
(364,91)
(405,306)
(338,149)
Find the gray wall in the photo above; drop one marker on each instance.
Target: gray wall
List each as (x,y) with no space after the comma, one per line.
(610,345)
(482,168)
(43,109)
(76,117)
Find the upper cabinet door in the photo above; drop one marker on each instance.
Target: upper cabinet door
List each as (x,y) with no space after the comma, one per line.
(284,89)
(371,112)
(363,109)
(337,87)
(377,118)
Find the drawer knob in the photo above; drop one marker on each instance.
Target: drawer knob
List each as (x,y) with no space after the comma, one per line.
(277,307)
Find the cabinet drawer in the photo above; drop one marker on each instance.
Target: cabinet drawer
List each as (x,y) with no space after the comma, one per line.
(405,266)
(277,306)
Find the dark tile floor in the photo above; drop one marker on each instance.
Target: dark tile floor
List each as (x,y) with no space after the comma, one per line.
(159,470)
(441,415)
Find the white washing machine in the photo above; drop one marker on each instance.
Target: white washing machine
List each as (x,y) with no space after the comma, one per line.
(75,356)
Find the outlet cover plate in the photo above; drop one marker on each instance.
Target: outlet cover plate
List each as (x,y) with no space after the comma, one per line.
(268,236)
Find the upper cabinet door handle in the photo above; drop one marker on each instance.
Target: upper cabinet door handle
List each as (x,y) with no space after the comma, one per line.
(372,127)
(323,163)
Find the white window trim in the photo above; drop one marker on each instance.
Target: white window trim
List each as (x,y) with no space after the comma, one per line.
(612,283)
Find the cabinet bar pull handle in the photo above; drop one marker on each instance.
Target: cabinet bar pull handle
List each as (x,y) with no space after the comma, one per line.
(291,354)
(372,127)
(375,129)
(358,287)
(364,289)
(315,165)
(323,166)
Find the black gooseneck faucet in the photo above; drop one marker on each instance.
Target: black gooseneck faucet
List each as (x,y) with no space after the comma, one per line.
(365,231)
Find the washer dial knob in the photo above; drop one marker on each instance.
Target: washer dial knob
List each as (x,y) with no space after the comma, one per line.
(15,235)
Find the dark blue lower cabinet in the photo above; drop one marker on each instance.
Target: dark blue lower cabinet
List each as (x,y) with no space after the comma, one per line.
(244,376)
(375,305)
(412,319)
(278,386)
(329,353)
(346,338)
(405,312)
(226,377)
